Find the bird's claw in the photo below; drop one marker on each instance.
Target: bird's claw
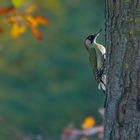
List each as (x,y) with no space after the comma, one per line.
(98,74)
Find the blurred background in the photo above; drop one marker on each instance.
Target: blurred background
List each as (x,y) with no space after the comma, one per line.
(46,85)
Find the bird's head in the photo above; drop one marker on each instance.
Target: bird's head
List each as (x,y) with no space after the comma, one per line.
(88,43)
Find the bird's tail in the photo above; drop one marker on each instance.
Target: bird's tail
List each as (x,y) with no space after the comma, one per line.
(102,83)
(102,86)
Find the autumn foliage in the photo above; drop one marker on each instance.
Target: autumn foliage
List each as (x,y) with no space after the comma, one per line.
(21,20)
(88,122)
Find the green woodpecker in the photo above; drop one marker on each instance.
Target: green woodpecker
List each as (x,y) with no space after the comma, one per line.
(97,54)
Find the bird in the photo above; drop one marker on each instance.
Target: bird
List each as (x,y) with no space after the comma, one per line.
(97,56)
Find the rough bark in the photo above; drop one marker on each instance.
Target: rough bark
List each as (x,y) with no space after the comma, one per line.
(122,117)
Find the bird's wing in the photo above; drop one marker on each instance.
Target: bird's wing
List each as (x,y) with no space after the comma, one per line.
(93,60)
(100,59)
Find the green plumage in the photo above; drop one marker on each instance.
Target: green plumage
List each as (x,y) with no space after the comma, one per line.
(96,59)
(93,59)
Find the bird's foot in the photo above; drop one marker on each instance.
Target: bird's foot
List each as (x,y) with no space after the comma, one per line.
(98,74)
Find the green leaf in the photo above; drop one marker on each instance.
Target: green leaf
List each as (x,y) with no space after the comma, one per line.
(17,3)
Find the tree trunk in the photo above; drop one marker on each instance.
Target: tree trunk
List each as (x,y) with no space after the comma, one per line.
(122,115)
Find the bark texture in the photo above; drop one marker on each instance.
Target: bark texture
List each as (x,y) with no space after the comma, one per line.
(122,117)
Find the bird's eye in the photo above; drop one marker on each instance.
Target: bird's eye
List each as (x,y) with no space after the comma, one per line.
(91,38)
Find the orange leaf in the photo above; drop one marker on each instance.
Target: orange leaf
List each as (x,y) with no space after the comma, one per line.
(10,19)
(17,30)
(41,20)
(33,26)
(14,19)
(4,11)
(1,30)
(31,9)
(36,32)
(88,122)
(31,21)
(37,20)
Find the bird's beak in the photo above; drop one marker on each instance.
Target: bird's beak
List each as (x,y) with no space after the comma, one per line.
(98,32)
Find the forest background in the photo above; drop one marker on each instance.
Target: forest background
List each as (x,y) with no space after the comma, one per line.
(45,85)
